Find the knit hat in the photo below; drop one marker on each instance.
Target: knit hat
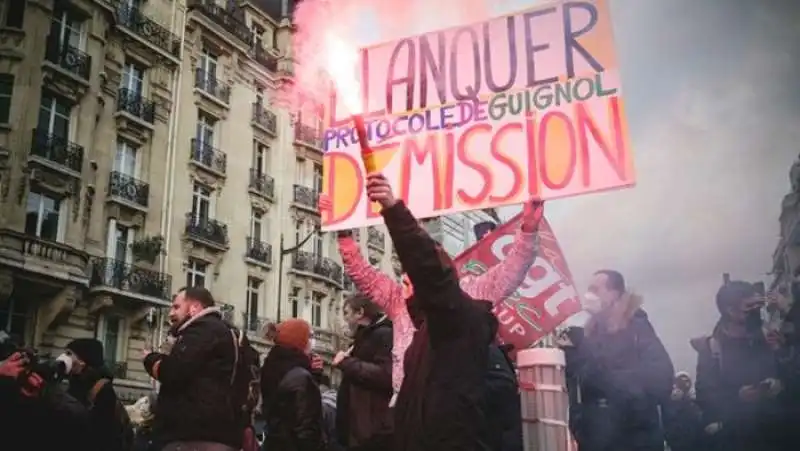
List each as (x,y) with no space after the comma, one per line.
(293,333)
(89,350)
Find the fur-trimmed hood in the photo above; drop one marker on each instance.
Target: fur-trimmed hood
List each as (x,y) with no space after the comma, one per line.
(617,316)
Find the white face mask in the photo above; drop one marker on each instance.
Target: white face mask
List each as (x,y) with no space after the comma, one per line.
(592,303)
(67,361)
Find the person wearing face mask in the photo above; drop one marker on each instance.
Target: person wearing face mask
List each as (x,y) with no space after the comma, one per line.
(620,372)
(364,421)
(738,381)
(195,410)
(291,399)
(91,383)
(495,285)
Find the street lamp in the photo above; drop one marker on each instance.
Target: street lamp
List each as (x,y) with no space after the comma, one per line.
(283,253)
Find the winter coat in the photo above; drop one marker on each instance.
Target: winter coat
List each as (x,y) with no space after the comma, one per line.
(292,404)
(682,424)
(495,285)
(725,364)
(108,433)
(363,414)
(502,428)
(195,398)
(618,375)
(438,407)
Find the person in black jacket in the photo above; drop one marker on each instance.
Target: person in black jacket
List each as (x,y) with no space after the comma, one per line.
(91,383)
(502,430)
(292,404)
(364,420)
(195,399)
(621,369)
(438,406)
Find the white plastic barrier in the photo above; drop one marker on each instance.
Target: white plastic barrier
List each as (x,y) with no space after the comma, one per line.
(545,404)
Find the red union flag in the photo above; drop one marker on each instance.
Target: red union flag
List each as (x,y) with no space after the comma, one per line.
(544,300)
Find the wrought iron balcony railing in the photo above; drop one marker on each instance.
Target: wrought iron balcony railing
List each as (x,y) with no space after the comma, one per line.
(57,150)
(128,188)
(254,323)
(376,238)
(209,156)
(68,57)
(317,264)
(112,273)
(265,118)
(224,18)
(259,250)
(136,105)
(133,19)
(262,184)
(310,136)
(265,58)
(210,84)
(207,229)
(305,196)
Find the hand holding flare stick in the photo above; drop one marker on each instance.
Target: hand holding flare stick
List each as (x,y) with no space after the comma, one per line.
(367,155)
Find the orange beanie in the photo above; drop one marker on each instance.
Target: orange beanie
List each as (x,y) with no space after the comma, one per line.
(293,333)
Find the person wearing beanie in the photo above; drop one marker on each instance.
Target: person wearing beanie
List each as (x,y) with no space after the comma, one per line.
(91,383)
(291,400)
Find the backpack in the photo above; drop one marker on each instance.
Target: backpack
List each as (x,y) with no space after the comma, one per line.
(246,379)
(120,413)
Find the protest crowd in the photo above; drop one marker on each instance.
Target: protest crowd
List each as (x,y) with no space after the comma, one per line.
(425,371)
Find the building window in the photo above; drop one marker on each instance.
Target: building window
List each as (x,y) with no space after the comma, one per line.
(133,79)
(205,130)
(68,27)
(208,65)
(317,240)
(259,97)
(111,336)
(125,159)
(260,159)
(201,203)
(256,225)
(14,319)
(253,287)
(316,309)
(294,302)
(300,171)
(317,177)
(54,116)
(298,231)
(15,17)
(196,273)
(6,93)
(258,39)
(121,239)
(43,216)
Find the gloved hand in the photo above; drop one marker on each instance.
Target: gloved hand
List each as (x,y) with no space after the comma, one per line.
(713,428)
(772,387)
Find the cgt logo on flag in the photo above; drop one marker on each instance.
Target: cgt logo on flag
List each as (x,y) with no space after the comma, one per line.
(544,300)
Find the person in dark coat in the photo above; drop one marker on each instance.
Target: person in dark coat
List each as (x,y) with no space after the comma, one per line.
(292,403)
(502,428)
(681,416)
(738,379)
(438,406)
(91,383)
(364,421)
(194,401)
(622,371)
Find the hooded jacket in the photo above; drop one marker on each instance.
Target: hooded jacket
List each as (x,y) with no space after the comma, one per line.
(495,285)
(438,406)
(195,402)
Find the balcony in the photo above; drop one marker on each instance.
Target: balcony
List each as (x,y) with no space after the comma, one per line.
(262,184)
(254,324)
(57,152)
(209,157)
(125,280)
(318,266)
(207,231)
(305,197)
(132,103)
(265,119)
(32,254)
(223,17)
(128,189)
(307,136)
(259,251)
(156,37)
(211,86)
(266,58)
(64,56)
(376,239)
